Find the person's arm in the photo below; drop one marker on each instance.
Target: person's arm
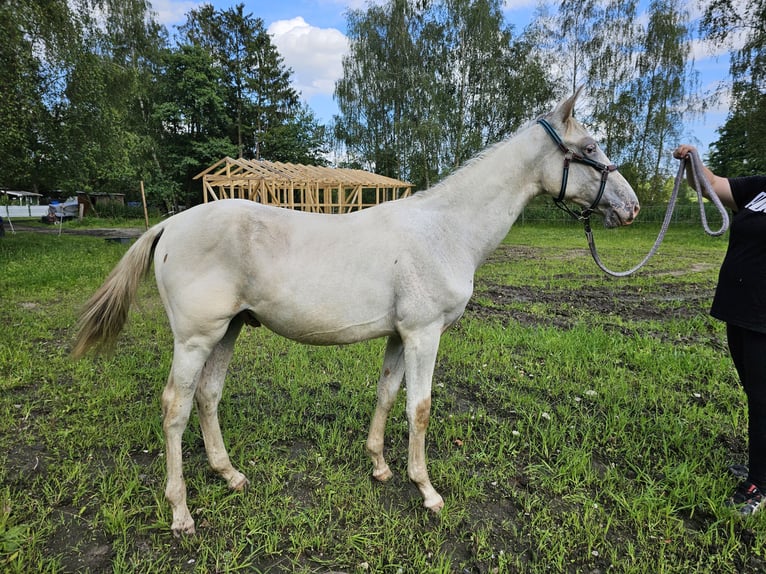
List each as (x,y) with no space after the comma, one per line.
(720,185)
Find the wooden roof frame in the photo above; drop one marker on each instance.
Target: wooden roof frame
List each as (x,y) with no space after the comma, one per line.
(295,186)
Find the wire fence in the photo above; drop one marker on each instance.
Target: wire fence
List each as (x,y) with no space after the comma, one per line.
(547,212)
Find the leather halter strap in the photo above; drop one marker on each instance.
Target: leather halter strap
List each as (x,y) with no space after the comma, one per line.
(572,156)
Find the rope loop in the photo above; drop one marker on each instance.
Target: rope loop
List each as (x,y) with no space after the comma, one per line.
(701,187)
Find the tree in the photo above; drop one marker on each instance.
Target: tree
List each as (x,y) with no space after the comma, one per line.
(189,120)
(571,32)
(101,133)
(492,82)
(660,89)
(610,71)
(20,104)
(639,78)
(377,82)
(261,103)
(429,84)
(38,40)
(741,148)
(94,98)
(300,139)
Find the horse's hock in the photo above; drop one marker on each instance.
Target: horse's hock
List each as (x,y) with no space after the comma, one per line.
(304,187)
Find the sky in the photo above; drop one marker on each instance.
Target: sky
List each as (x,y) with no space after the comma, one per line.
(310,36)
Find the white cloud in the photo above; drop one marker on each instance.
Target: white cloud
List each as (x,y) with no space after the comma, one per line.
(517,4)
(171,12)
(314,54)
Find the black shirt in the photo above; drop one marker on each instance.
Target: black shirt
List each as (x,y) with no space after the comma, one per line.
(740,297)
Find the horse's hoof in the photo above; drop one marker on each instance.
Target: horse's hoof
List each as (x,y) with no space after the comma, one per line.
(383,474)
(239,483)
(434,504)
(184,528)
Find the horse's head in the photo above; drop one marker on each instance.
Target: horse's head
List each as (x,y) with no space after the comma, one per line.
(578,171)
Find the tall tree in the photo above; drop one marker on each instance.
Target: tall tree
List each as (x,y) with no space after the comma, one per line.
(429,84)
(572,34)
(39,39)
(741,147)
(638,74)
(611,69)
(376,85)
(92,97)
(261,98)
(660,88)
(21,104)
(492,81)
(102,130)
(190,122)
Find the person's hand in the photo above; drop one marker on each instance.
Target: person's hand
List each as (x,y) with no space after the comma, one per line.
(683,151)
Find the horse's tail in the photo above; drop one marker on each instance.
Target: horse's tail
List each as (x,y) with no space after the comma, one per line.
(106,312)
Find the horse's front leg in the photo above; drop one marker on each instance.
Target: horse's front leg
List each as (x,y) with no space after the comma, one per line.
(207,397)
(390,379)
(420,357)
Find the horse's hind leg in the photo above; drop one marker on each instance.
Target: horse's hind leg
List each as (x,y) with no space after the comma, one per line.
(388,386)
(177,399)
(208,396)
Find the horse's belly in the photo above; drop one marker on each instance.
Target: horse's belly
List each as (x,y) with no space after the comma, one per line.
(327,331)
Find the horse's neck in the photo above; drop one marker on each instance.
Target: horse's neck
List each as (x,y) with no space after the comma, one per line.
(484,198)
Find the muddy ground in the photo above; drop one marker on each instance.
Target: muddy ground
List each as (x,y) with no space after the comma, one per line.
(668,298)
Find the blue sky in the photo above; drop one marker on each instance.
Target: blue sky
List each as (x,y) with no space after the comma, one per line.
(310,35)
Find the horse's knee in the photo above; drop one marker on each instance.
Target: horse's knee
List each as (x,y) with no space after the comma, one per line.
(175,418)
(176,404)
(422,414)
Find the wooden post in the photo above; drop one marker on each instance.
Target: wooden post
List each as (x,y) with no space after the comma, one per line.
(143,200)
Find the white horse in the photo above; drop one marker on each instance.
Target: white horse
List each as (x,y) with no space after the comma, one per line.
(402,270)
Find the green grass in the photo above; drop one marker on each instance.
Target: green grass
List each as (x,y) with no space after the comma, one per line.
(580,423)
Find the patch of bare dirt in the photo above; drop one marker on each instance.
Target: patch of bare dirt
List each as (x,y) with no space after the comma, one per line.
(564,307)
(85,550)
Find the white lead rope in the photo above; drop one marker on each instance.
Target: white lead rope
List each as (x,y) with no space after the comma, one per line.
(701,186)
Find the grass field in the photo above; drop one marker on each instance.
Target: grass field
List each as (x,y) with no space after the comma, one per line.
(580,423)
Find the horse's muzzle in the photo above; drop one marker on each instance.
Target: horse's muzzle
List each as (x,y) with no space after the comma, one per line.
(624,214)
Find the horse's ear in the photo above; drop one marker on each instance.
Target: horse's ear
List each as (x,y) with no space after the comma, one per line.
(565,109)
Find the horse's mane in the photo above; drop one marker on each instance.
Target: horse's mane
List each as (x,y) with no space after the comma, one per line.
(475,159)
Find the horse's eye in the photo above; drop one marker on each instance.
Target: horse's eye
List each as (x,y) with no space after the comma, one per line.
(590,149)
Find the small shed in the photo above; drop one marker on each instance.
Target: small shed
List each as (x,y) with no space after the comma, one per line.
(295,186)
(21,197)
(95,201)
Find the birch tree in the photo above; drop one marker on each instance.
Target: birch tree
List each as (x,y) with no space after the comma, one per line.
(429,84)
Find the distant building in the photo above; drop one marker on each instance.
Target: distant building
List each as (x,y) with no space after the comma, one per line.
(304,187)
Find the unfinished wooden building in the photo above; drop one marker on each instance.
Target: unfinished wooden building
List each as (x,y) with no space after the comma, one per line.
(304,187)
